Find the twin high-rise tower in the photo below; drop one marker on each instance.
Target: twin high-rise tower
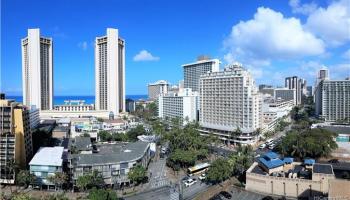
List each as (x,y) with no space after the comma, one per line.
(37,71)
(110,72)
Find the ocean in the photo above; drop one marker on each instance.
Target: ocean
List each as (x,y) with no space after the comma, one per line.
(59,100)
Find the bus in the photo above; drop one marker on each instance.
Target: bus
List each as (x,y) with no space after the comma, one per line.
(198,169)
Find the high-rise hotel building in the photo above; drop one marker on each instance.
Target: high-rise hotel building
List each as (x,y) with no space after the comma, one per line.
(229,100)
(332,100)
(193,71)
(15,139)
(110,72)
(37,70)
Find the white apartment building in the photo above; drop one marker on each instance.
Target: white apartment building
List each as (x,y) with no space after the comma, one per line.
(285,94)
(157,88)
(193,71)
(37,70)
(274,110)
(229,100)
(332,98)
(183,105)
(110,72)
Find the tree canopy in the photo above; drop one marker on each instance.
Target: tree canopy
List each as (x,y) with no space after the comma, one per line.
(313,143)
(138,174)
(219,171)
(91,180)
(102,194)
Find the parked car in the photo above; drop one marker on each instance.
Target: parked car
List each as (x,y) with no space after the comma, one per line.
(216,197)
(184,179)
(202,177)
(190,182)
(226,194)
(262,146)
(272,146)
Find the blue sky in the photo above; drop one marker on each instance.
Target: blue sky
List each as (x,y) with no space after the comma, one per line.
(273,39)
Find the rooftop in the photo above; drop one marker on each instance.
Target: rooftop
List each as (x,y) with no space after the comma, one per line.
(338,129)
(49,156)
(112,153)
(63,121)
(81,143)
(322,168)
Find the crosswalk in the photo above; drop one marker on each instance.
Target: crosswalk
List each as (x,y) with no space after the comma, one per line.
(156,183)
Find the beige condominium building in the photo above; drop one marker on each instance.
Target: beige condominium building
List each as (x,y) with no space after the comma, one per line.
(229,100)
(37,70)
(15,139)
(157,88)
(110,72)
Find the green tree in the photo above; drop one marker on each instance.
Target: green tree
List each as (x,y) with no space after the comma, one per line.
(59,179)
(313,143)
(133,133)
(91,180)
(104,136)
(138,174)
(24,178)
(85,135)
(102,194)
(182,157)
(219,171)
(99,119)
(22,196)
(241,160)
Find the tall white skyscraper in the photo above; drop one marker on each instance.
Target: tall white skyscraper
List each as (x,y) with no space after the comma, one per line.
(193,71)
(229,100)
(110,72)
(37,70)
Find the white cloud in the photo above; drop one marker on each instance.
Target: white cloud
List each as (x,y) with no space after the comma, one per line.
(302,9)
(269,35)
(332,24)
(83,45)
(346,54)
(339,71)
(144,55)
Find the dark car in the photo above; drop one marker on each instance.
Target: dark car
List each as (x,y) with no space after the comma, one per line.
(226,194)
(216,197)
(334,161)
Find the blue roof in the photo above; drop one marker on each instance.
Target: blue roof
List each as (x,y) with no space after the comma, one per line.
(271,163)
(271,155)
(288,159)
(309,161)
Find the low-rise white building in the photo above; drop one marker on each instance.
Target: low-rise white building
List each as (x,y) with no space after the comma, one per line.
(182,105)
(273,111)
(46,162)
